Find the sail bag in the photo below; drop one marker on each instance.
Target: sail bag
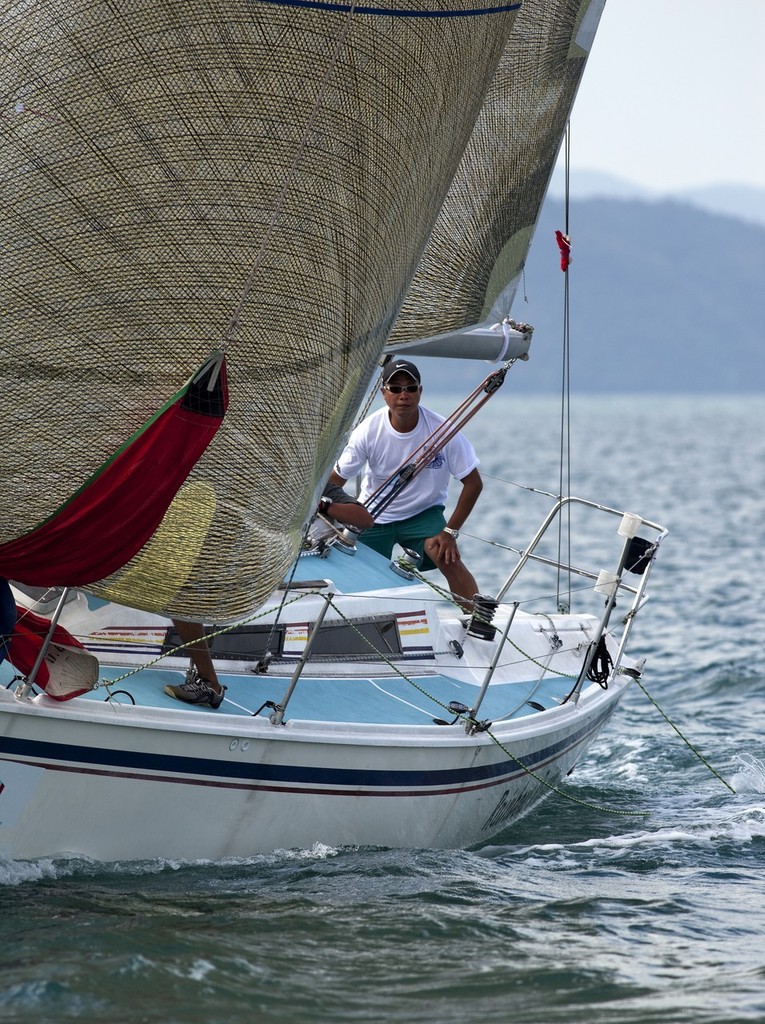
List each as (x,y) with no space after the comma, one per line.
(67,669)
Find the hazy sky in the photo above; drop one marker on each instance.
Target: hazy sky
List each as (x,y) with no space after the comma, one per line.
(673,94)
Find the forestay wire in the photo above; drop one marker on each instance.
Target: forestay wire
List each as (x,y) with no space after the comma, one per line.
(564,245)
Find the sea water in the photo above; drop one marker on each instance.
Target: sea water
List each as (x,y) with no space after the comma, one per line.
(580,914)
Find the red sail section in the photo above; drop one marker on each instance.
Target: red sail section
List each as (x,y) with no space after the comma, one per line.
(115,513)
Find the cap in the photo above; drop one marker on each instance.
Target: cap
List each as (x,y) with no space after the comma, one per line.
(400,366)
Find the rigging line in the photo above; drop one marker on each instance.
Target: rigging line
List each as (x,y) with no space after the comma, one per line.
(526,769)
(448,596)
(486,727)
(362,415)
(465,417)
(282,604)
(395,669)
(516,483)
(685,739)
(296,160)
(565,408)
(525,656)
(472,397)
(173,651)
(562,792)
(398,480)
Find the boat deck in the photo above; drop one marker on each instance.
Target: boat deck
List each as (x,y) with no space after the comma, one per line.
(330,689)
(382,701)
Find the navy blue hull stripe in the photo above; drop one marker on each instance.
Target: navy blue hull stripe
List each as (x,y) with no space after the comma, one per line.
(202,771)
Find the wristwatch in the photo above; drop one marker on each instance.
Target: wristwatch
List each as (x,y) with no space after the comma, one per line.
(451,532)
(324,505)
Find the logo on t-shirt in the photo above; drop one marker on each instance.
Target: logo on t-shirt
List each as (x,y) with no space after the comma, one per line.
(437,461)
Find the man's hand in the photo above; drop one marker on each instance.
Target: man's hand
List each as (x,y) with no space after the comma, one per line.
(442,549)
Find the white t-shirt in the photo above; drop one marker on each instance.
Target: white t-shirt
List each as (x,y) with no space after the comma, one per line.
(375,447)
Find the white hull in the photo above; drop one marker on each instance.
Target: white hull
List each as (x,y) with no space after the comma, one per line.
(132,784)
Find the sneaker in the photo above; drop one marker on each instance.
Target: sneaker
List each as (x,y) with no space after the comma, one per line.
(197,691)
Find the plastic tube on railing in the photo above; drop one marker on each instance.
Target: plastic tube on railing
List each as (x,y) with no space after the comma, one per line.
(629,525)
(606,583)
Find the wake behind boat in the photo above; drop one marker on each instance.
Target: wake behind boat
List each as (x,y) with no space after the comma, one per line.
(219,221)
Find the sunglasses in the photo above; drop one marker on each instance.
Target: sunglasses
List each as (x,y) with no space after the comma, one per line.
(396,389)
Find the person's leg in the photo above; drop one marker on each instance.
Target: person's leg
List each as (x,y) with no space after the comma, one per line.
(193,634)
(428,524)
(417,533)
(413,532)
(459,578)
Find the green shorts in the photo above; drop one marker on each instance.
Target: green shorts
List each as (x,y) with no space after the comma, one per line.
(409,533)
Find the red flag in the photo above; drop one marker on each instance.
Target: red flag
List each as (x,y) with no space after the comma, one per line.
(564,244)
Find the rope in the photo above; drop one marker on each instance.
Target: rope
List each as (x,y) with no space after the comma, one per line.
(387,660)
(600,668)
(529,771)
(685,739)
(364,410)
(283,603)
(565,404)
(562,792)
(502,747)
(173,653)
(449,596)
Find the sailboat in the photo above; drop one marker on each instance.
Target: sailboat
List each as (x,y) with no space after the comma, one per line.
(219,221)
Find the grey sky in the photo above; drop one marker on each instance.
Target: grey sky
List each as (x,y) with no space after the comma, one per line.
(673,94)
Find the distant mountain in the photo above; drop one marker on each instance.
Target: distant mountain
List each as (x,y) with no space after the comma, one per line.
(742,201)
(584,184)
(664,297)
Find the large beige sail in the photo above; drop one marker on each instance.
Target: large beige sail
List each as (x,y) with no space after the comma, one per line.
(258,175)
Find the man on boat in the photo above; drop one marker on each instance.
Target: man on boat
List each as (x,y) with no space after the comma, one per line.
(386,441)
(202,685)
